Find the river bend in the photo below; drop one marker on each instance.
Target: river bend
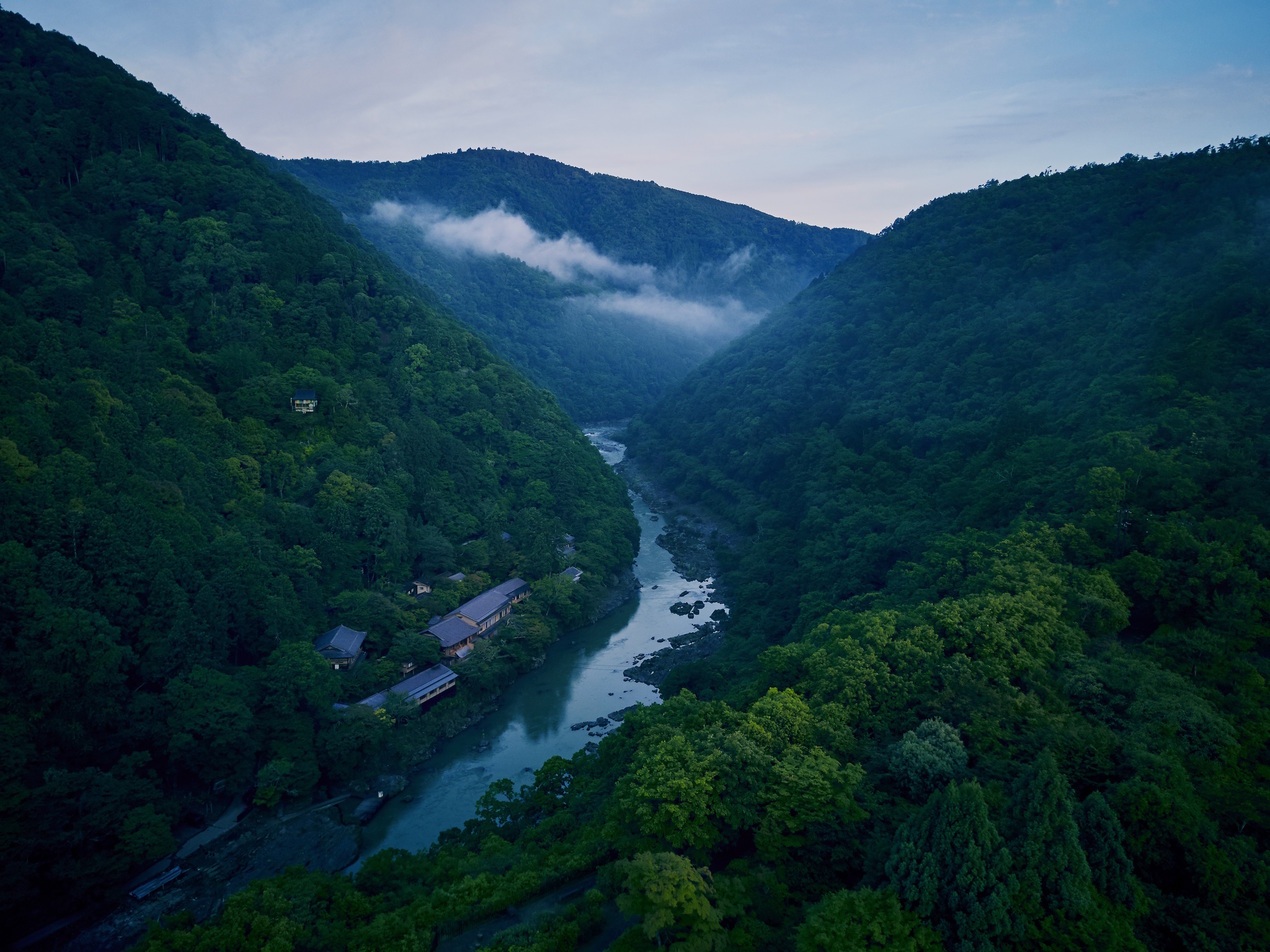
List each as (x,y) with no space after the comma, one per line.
(580,680)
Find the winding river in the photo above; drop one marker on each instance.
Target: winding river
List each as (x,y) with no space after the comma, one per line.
(581,680)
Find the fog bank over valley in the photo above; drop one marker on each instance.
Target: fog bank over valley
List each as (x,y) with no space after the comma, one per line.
(673,297)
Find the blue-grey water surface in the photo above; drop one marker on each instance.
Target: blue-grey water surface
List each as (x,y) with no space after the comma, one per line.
(580,680)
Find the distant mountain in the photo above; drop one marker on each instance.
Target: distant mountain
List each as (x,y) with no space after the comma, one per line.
(603,290)
(173,534)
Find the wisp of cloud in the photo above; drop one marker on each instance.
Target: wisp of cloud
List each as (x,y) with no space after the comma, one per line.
(725,317)
(496,231)
(640,293)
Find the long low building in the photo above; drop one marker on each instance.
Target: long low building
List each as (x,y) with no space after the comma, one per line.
(515,590)
(476,616)
(420,688)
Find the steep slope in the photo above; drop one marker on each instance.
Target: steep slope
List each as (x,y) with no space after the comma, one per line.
(601,289)
(172,534)
(1006,468)
(977,361)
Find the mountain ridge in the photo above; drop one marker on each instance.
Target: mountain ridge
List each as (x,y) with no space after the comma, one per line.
(602,289)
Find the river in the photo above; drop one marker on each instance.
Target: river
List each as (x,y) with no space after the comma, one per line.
(580,680)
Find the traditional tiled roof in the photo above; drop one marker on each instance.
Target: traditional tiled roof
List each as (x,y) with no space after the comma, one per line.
(339,643)
(429,679)
(483,607)
(573,573)
(451,631)
(305,394)
(511,588)
(414,687)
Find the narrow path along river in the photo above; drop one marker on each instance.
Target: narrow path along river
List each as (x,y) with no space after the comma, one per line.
(580,680)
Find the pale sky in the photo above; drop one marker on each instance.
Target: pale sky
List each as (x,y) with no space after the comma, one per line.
(847,113)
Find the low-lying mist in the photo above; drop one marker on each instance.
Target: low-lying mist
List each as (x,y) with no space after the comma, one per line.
(697,302)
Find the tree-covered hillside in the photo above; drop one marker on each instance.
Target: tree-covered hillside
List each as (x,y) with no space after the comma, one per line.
(998,661)
(681,273)
(1002,352)
(173,535)
(1005,470)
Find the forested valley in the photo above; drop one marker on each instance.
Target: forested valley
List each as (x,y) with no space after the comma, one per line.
(996,670)
(628,285)
(173,536)
(995,675)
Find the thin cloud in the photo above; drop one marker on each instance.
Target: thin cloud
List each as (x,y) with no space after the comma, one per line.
(496,231)
(723,317)
(616,288)
(737,262)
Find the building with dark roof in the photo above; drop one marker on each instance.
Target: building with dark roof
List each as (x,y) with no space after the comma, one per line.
(572,573)
(421,688)
(455,634)
(340,646)
(477,616)
(485,610)
(304,401)
(515,590)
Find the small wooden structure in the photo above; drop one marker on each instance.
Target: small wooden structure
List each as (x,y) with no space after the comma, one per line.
(150,885)
(304,401)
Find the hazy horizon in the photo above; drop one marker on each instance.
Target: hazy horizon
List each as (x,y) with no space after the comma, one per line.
(839,114)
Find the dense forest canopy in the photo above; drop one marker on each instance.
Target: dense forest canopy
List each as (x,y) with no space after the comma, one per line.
(997,667)
(1004,476)
(1003,352)
(173,536)
(996,672)
(680,274)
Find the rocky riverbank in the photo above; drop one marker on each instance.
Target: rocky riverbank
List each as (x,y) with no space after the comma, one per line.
(693,538)
(691,535)
(622,588)
(696,645)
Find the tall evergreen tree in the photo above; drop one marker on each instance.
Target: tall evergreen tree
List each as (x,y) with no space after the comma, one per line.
(1054,877)
(951,865)
(1102,838)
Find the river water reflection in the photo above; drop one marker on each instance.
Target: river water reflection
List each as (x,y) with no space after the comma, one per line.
(580,680)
